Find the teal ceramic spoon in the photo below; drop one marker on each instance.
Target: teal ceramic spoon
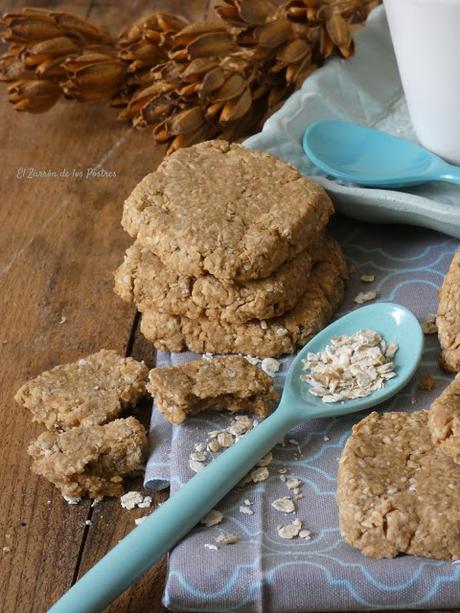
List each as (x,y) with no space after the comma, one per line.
(134,555)
(365,156)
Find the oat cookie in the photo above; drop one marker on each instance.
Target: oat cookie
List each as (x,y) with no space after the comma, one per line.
(444,420)
(448,318)
(227,210)
(230,383)
(261,338)
(92,390)
(145,280)
(90,460)
(396,491)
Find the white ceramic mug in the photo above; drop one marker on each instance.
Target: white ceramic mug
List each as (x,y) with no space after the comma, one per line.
(426,38)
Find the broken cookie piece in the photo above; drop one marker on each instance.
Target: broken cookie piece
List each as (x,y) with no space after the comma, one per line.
(91,460)
(444,420)
(229,383)
(398,492)
(448,318)
(90,391)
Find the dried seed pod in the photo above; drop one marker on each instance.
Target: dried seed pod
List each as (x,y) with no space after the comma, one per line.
(45,50)
(237,107)
(186,121)
(34,96)
(93,76)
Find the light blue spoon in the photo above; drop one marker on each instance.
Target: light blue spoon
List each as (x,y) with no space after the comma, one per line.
(365,156)
(136,553)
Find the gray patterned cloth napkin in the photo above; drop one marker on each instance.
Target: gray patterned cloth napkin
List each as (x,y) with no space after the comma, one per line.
(263,572)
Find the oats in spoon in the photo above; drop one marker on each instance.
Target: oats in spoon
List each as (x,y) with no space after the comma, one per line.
(350,366)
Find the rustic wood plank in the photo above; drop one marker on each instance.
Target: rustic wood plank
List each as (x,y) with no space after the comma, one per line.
(110,522)
(60,241)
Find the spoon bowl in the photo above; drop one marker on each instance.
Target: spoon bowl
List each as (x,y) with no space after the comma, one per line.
(138,551)
(395,323)
(369,157)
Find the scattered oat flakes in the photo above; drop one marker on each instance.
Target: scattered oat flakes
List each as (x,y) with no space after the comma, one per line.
(214,433)
(326,438)
(62,320)
(247,502)
(293,483)
(200,447)
(363,297)
(130,500)
(6,549)
(266,460)
(139,520)
(293,441)
(367,278)
(263,324)
(214,446)
(226,539)
(253,360)
(146,503)
(270,366)
(211,546)
(225,439)
(429,325)
(246,510)
(350,366)
(199,456)
(291,530)
(259,474)
(305,534)
(196,466)
(285,505)
(283,478)
(282,471)
(213,518)
(72,500)
(207,356)
(427,383)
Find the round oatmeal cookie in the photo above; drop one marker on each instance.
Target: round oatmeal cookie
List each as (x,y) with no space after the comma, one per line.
(444,420)
(448,318)
(227,210)
(145,280)
(269,338)
(396,491)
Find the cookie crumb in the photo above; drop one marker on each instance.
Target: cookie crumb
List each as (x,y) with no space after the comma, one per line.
(246,510)
(427,383)
(284,504)
(266,460)
(293,483)
(367,278)
(291,530)
(429,326)
(226,539)
(270,366)
(305,534)
(72,500)
(213,518)
(259,474)
(363,297)
(211,546)
(134,499)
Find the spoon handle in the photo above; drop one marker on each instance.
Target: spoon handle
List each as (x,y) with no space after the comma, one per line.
(448,173)
(142,547)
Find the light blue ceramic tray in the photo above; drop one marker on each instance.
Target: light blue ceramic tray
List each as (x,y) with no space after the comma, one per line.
(365,89)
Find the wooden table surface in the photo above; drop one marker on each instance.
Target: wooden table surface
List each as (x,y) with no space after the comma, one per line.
(60,240)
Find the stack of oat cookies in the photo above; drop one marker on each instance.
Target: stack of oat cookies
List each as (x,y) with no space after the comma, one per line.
(230,253)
